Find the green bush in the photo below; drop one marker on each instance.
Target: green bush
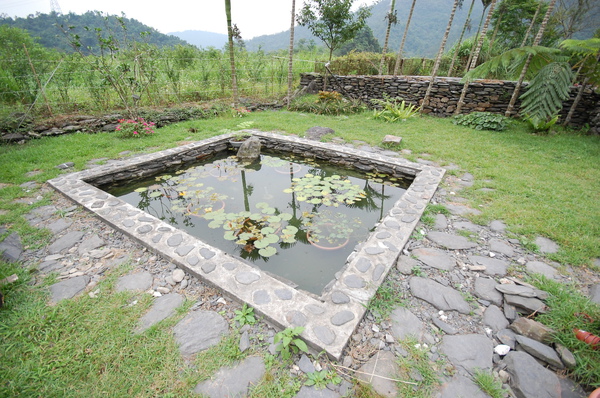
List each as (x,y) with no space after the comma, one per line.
(482,121)
(313,104)
(393,109)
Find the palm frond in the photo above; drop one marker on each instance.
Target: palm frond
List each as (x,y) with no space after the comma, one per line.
(547,90)
(581,47)
(513,61)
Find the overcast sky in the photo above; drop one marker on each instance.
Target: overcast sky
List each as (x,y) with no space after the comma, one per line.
(253,17)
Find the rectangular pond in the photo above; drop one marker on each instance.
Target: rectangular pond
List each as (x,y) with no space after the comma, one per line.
(329,315)
(296,218)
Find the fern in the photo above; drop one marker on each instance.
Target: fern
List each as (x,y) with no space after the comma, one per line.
(547,91)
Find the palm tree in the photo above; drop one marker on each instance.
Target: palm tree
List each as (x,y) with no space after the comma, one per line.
(536,41)
(399,56)
(537,11)
(291,55)
(392,19)
(234,86)
(462,33)
(486,4)
(463,93)
(438,59)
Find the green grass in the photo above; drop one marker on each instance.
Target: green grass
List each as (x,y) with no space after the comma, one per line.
(488,383)
(416,368)
(386,299)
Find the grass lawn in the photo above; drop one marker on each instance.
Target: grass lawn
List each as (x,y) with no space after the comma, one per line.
(543,185)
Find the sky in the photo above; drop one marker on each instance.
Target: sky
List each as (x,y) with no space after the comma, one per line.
(253,17)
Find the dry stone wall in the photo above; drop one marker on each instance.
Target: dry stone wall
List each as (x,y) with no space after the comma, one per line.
(482,96)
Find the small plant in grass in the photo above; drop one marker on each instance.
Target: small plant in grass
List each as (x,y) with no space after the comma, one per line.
(393,109)
(329,96)
(417,271)
(322,378)
(387,298)
(540,125)
(417,363)
(289,343)
(134,128)
(245,316)
(482,121)
(488,384)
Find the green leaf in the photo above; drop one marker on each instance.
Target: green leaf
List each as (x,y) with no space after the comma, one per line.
(301,345)
(267,251)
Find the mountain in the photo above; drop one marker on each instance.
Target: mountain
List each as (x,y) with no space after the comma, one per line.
(202,39)
(46,28)
(427,27)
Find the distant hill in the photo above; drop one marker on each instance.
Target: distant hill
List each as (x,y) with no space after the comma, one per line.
(425,33)
(202,39)
(44,27)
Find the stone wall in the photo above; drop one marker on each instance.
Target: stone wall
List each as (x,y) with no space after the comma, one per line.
(483,95)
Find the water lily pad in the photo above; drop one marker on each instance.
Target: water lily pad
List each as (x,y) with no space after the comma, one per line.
(267,251)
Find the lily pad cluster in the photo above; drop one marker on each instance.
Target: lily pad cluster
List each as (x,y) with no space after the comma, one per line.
(329,227)
(255,230)
(329,191)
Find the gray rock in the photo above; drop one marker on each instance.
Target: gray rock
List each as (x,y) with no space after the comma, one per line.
(494,318)
(529,379)
(538,267)
(391,139)
(405,264)
(566,356)
(595,293)
(468,351)
(162,308)
(305,364)
(510,312)
(498,226)
(250,150)
(139,281)
(466,226)
(59,225)
(312,392)
(317,132)
(540,351)
(435,258)
(199,331)
(526,305)
(499,246)
(68,288)
(517,290)
(233,382)
(441,297)
(91,243)
(405,324)
(546,245)
(178,275)
(448,329)
(342,317)
(11,248)
(448,241)
(532,329)
(379,372)
(507,337)
(492,266)
(460,210)
(244,341)
(569,389)
(67,241)
(485,288)
(461,386)
(441,222)
(324,334)
(339,297)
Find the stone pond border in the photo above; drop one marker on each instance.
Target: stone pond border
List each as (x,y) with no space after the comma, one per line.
(328,320)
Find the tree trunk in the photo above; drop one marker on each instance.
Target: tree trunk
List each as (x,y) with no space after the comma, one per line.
(291,55)
(438,59)
(391,20)
(463,93)
(531,24)
(462,33)
(536,41)
(579,93)
(485,6)
(399,56)
(234,86)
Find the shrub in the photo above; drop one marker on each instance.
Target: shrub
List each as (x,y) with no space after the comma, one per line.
(329,96)
(313,104)
(134,128)
(482,121)
(393,109)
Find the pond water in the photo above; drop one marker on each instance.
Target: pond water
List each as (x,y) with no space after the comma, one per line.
(292,217)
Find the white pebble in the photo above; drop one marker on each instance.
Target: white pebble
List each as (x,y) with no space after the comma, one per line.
(501,349)
(178,275)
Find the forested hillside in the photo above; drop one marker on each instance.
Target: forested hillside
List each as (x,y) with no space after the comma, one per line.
(46,27)
(429,21)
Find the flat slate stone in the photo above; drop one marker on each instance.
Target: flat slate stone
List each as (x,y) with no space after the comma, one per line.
(198,331)
(533,329)
(305,364)
(448,241)
(517,290)
(525,305)
(447,328)
(162,308)
(312,392)
(405,264)
(405,324)
(498,226)
(529,379)
(235,381)
(68,288)
(11,248)
(460,210)
(538,267)
(546,245)
(441,222)
(438,295)
(59,225)
(379,372)
(461,386)
(91,243)
(499,246)
(139,281)
(468,351)
(339,297)
(494,318)
(69,240)
(485,288)
(540,351)
(492,266)
(435,258)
